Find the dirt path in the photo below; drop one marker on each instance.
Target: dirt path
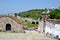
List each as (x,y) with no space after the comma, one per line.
(29,35)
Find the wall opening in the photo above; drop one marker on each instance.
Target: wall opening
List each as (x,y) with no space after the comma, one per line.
(37,22)
(8,27)
(33,22)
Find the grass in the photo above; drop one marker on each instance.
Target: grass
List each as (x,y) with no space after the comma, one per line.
(16,19)
(29,25)
(2,31)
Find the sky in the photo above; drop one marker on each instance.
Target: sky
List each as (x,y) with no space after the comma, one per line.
(16,6)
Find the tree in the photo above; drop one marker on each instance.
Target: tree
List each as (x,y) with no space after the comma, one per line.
(15,14)
(55,14)
(34,14)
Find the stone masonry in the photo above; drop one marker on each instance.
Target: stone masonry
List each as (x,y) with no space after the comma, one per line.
(14,26)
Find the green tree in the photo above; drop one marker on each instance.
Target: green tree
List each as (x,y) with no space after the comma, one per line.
(34,14)
(55,14)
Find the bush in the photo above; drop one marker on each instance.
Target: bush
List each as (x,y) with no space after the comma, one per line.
(55,14)
(29,25)
(0,30)
(25,20)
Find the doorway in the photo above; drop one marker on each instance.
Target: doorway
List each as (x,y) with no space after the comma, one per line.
(8,27)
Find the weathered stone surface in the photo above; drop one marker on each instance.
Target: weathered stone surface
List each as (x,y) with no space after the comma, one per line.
(15,26)
(40,26)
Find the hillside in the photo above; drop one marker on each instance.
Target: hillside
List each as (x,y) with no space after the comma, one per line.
(34,14)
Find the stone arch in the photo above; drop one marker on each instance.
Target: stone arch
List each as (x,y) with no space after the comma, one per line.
(33,22)
(8,27)
(37,22)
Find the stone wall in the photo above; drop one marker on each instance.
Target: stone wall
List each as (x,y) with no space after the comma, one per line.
(50,24)
(16,27)
(40,26)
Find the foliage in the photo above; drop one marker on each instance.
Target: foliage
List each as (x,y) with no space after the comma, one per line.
(0,30)
(55,14)
(34,14)
(29,25)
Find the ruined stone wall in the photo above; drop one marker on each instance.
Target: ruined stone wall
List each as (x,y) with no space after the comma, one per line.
(14,25)
(50,24)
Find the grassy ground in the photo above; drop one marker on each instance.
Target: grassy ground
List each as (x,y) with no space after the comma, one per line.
(29,25)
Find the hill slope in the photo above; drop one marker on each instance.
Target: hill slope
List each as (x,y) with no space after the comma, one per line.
(34,14)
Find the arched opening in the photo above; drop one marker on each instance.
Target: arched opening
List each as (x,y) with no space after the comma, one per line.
(8,27)
(37,22)
(33,22)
